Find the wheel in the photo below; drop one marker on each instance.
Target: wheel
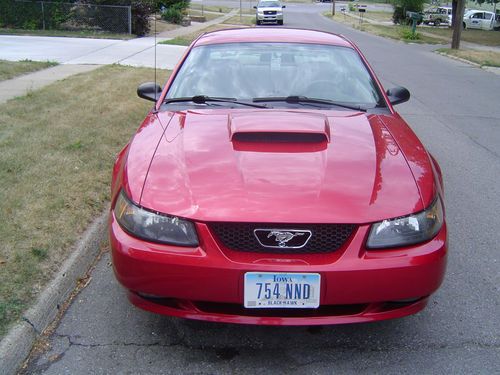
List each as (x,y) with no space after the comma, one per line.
(437,22)
(464,25)
(257,22)
(280,22)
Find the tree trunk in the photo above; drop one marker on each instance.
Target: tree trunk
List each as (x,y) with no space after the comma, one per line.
(457,24)
(454,8)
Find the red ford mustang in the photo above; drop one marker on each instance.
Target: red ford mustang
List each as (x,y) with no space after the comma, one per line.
(273,183)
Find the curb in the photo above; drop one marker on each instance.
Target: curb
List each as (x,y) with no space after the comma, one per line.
(458,59)
(17,344)
(491,69)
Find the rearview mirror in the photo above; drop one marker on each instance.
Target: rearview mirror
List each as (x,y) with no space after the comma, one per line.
(149,91)
(398,95)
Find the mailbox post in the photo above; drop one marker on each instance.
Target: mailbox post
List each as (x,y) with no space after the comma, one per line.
(362,12)
(415,18)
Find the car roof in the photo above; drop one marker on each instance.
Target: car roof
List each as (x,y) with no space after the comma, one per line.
(478,11)
(272,35)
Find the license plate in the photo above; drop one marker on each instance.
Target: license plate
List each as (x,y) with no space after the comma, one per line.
(281,290)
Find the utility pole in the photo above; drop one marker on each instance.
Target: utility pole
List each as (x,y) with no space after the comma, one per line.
(457,25)
(333,8)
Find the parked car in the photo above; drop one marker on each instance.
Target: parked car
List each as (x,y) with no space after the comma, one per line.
(481,19)
(274,183)
(269,11)
(437,16)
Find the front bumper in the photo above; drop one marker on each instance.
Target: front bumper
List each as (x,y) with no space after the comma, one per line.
(269,18)
(206,283)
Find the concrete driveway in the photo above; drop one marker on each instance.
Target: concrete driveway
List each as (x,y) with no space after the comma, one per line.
(81,51)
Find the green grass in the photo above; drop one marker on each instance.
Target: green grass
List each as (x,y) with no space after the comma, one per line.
(210,8)
(186,40)
(486,38)
(379,16)
(177,41)
(483,58)
(244,20)
(56,154)
(72,34)
(397,32)
(208,16)
(11,69)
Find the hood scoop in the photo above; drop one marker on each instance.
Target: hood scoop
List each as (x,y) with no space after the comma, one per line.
(278,127)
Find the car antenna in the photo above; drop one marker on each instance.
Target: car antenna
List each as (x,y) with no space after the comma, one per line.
(155,109)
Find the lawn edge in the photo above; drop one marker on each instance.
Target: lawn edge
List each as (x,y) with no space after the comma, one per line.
(18,342)
(491,69)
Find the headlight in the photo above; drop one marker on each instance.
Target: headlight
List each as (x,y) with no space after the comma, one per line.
(152,226)
(408,230)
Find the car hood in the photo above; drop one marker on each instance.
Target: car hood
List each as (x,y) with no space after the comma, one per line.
(281,166)
(275,9)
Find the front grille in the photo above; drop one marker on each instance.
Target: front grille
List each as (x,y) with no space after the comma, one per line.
(268,12)
(325,238)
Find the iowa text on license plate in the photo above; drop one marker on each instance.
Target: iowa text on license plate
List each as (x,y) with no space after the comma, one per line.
(281,290)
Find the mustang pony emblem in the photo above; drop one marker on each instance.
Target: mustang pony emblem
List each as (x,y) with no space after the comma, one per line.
(283,237)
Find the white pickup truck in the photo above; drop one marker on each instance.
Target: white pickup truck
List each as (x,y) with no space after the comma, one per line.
(437,16)
(481,19)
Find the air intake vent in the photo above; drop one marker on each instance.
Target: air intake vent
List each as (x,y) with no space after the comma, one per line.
(269,137)
(279,127)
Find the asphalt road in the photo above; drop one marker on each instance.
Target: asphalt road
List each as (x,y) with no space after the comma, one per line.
(454,109)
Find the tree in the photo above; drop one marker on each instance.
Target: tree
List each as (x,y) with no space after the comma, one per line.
(403,6)
(458,7)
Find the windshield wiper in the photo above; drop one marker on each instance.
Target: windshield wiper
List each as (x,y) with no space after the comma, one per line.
(295,99)
(203,99)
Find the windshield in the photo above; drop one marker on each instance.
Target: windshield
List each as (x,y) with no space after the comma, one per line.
(269,4)
(247,71)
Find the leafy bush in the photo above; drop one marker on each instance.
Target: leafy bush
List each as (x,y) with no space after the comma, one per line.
(175,13)
(403,6)
(59,14)
(20,15)
(141,11)
(408,34)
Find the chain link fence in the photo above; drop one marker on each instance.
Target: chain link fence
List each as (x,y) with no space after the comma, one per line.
(77,16)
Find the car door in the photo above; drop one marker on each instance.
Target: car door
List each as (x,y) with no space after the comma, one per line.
(475,21)
(486,22)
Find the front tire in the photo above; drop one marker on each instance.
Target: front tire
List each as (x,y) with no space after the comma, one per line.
(280,22)
(437,22)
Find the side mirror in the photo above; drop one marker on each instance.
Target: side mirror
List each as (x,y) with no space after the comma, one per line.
(149,91)
(398,95)
(283,6)
(254,7)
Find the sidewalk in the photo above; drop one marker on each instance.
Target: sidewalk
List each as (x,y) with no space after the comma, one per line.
(81,51)
(79,55)
(24,84)
(196,26)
